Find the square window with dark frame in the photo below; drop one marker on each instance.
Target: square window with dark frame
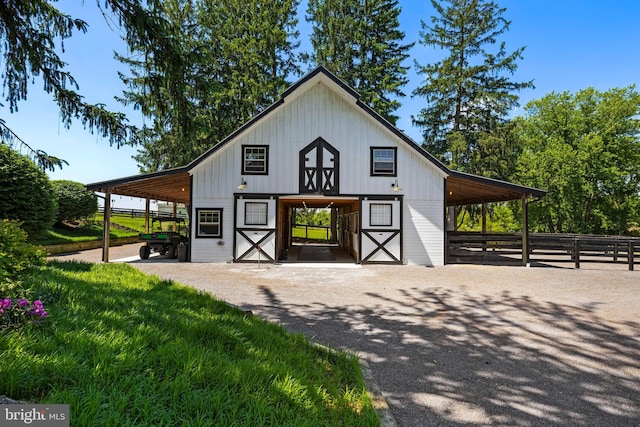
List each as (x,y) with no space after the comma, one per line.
(380,215)
(255,159)
(209,223)
(255,213)
(383,161)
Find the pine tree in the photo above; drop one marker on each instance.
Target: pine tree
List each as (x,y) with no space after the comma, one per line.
(32,33)
(467,93)
(237,56)
(360,41)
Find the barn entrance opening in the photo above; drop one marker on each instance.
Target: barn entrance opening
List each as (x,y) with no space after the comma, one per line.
(318,229)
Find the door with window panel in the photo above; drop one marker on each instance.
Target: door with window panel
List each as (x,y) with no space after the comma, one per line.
(255,231)
(381,232)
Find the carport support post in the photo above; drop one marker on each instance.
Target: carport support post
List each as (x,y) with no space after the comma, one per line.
(147,207)
(525,231)
(106,228)
(484,228)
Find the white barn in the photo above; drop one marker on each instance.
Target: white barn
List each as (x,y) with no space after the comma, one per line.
(317,146)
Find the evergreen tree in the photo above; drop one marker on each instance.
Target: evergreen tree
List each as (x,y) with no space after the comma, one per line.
(334,36)
(467,93)
(360,41)
(31,34)
(237,57)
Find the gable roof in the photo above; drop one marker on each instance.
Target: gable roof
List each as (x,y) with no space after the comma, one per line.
(319,73)
(463,188)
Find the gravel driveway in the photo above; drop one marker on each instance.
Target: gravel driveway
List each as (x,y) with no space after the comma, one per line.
(458,345)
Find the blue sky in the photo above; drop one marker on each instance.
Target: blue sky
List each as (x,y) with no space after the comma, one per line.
(570,45)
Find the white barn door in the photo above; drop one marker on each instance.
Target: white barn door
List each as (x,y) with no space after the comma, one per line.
(381,231)
(255,230)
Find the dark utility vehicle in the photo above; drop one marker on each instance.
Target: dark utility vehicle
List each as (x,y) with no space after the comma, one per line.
(164,242)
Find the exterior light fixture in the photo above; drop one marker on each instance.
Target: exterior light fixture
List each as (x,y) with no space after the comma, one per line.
(396,186)
(243,184)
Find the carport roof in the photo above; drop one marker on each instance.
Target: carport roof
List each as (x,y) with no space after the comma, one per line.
(171,185)
(467,189)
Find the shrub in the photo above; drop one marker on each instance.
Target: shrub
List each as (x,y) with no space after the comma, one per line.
(16,254)
(26,193)
(74,201)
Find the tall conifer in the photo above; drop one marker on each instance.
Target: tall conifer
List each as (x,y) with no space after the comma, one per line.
(238,56)
(360,41)
(467,93)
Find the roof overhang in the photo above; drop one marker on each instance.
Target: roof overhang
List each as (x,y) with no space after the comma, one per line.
(466,189)
(172,185)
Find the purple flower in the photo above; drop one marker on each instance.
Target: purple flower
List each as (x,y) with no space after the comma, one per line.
(23,302)
(37,309)
(5,303)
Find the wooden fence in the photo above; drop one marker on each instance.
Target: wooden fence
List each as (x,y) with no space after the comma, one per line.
(506,249)
(140,213)
(314,232)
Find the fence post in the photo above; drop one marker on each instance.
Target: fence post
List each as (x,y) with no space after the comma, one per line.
(576,252)
(630,255)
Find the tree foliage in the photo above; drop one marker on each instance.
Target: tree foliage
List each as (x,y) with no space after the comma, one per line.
(468,93)
(584,149)
(74,201)
(31,32)
(26,193)
(313,216)
(360,41)
(236,58)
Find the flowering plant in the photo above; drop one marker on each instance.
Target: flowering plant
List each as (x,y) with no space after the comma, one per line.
(13,313)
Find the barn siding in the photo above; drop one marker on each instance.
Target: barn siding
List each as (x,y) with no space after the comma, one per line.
(321,111)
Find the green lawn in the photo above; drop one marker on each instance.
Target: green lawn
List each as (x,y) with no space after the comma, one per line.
(93,230)
(135,223)
(86,233)
(128,349)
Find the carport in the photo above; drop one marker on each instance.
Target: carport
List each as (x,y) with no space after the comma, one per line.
(171,185)
(464,189)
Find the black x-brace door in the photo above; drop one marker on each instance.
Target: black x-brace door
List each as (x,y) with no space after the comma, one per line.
(319,168)
(254,245)
(380,245)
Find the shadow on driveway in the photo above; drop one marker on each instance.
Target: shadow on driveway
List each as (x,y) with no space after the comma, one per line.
(454,359)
